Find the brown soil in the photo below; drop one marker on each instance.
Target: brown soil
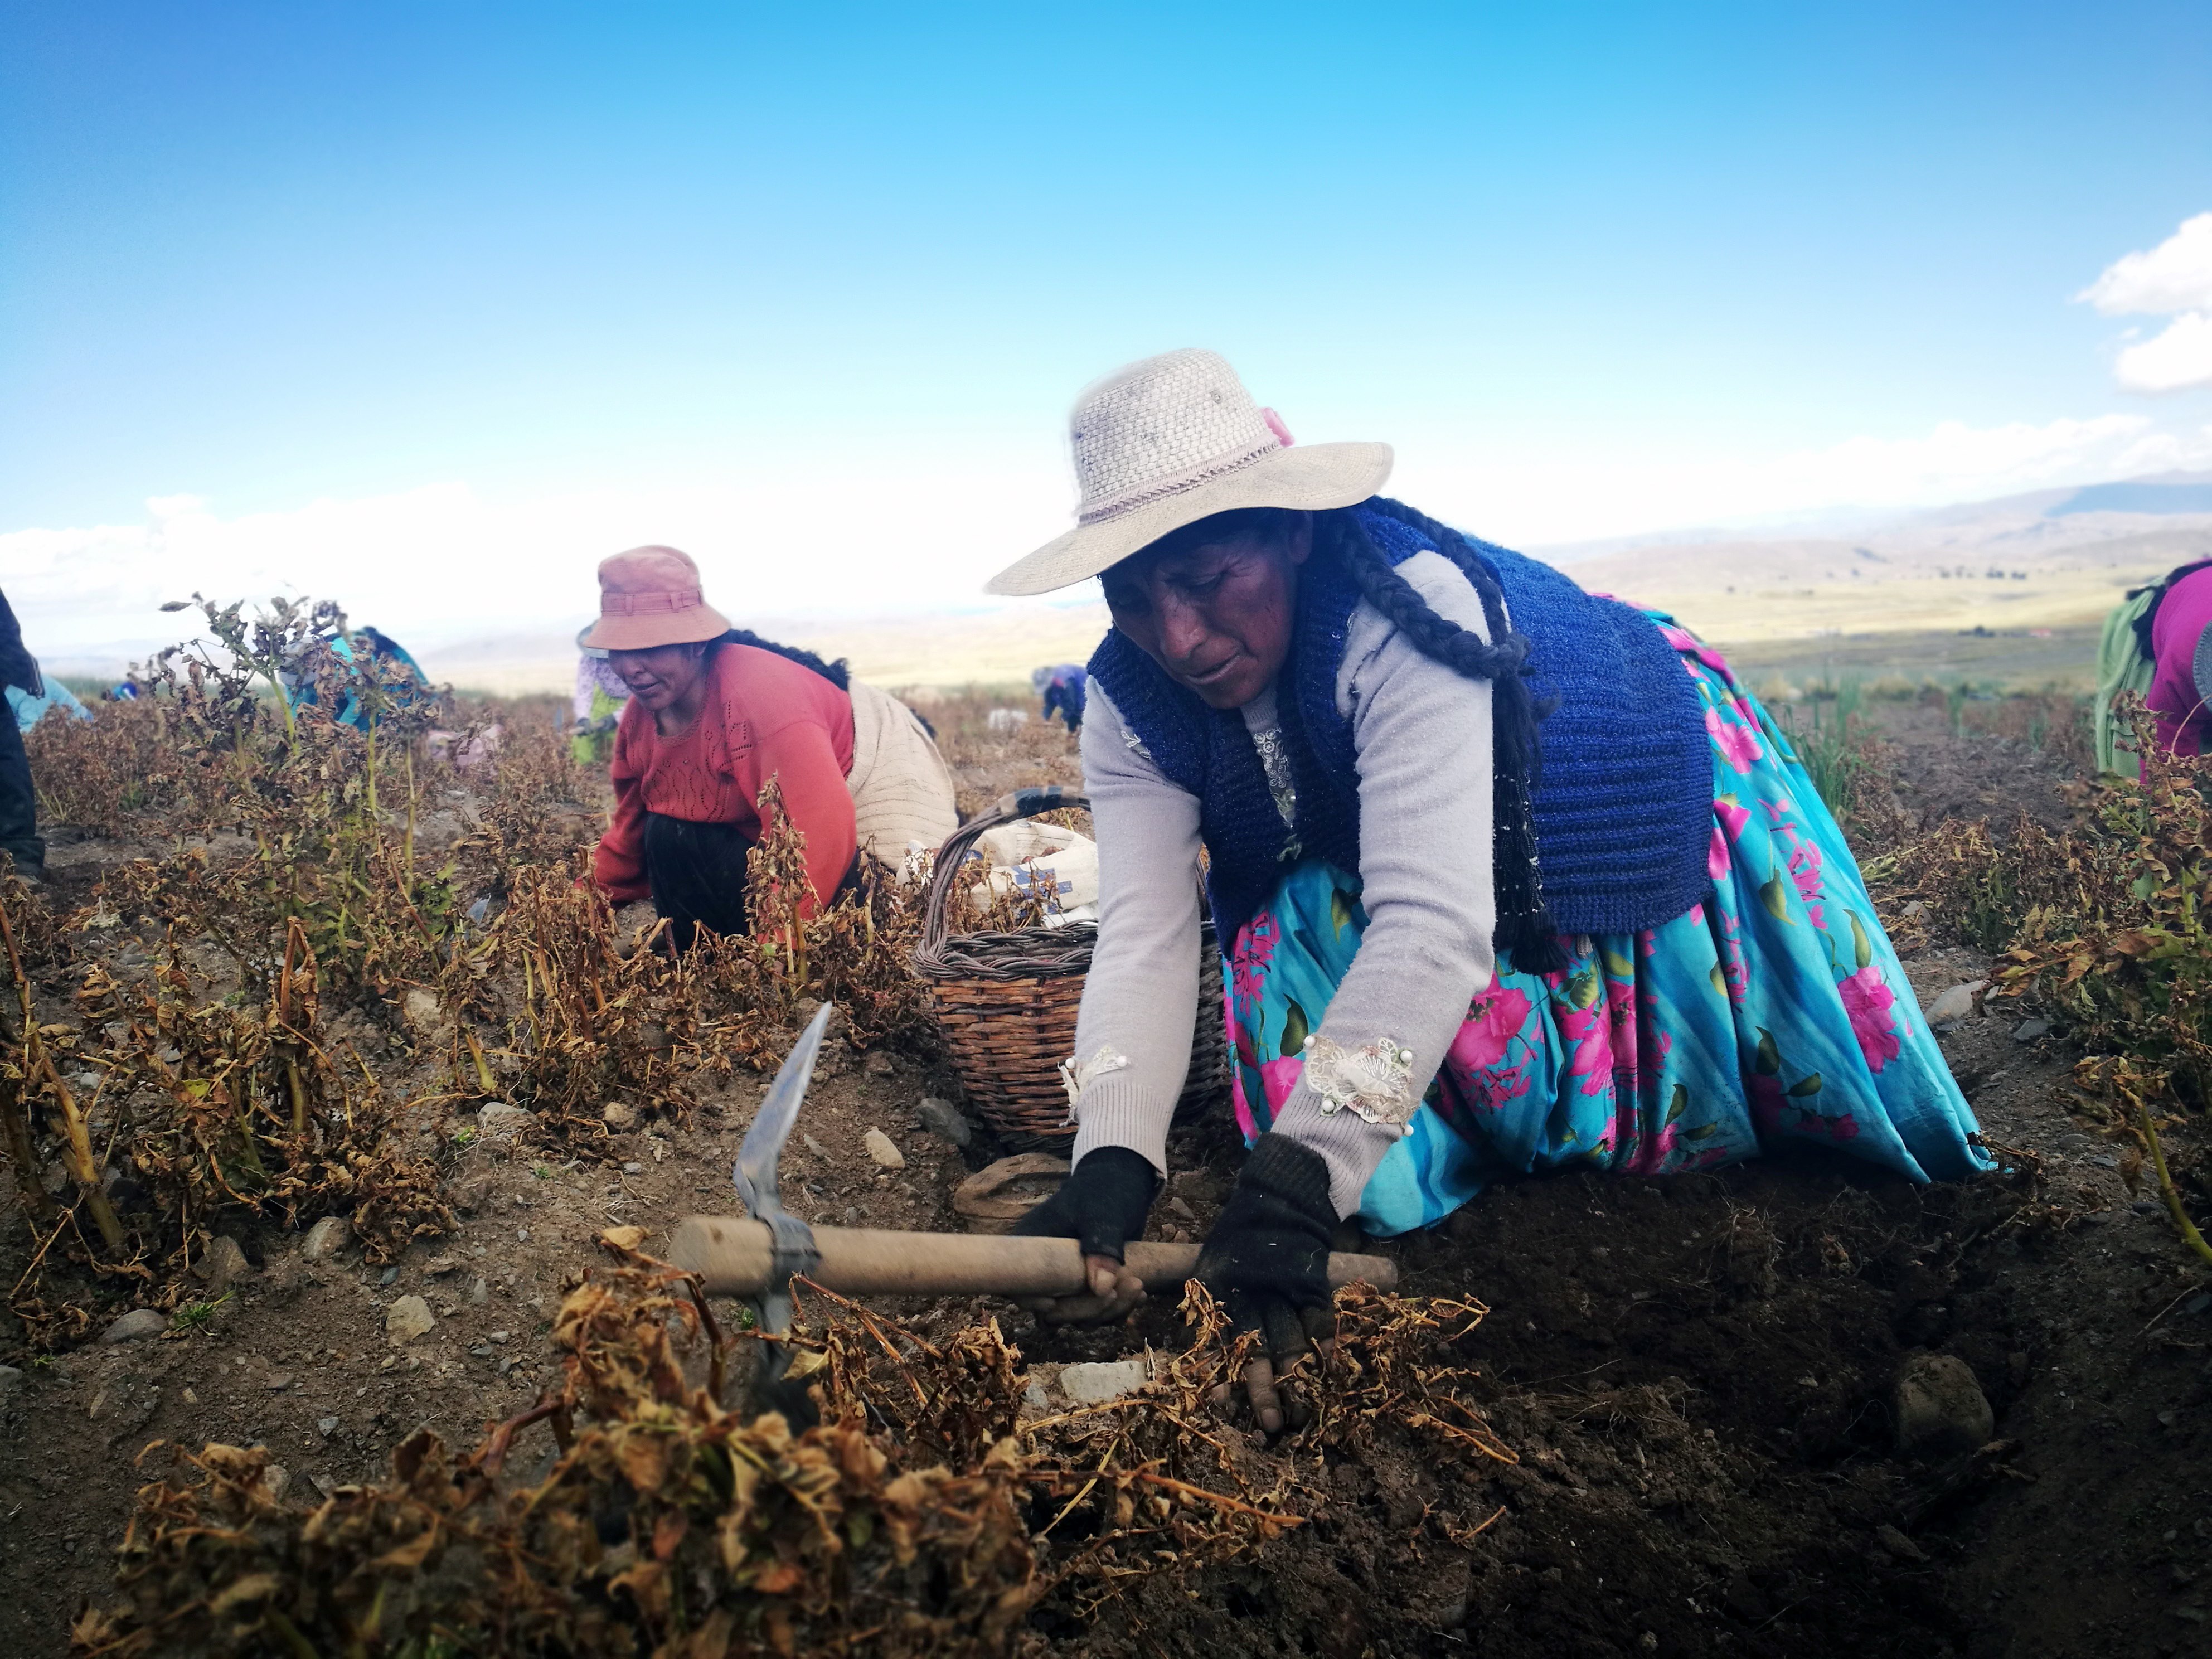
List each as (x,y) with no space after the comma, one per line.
(1695,1372)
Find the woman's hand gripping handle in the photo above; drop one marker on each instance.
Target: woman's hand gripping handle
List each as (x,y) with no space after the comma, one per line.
(1102,1206)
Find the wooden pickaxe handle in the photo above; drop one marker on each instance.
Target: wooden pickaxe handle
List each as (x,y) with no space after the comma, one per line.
(732,1255)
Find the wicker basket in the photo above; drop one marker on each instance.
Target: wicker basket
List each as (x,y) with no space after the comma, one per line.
(1006,1003)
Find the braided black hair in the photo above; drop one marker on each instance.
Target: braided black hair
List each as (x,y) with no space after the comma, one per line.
(1524,921)
(836,673)
(2159,588)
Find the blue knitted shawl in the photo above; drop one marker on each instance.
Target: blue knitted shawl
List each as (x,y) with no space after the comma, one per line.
(1623,805)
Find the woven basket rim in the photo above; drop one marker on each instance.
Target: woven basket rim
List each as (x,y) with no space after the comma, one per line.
(1023,953)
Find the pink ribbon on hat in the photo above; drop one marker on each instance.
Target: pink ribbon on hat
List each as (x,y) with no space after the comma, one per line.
(1275,425)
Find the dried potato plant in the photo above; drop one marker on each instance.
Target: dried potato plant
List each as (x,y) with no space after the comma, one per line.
(667,1526)
(921,1516)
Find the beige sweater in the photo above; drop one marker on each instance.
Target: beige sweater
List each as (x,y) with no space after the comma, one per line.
(1421,738)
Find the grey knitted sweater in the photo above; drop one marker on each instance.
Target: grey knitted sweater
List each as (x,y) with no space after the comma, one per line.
(1421,738)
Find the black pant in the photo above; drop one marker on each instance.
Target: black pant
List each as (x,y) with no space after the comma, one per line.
(697,871)
(19,803)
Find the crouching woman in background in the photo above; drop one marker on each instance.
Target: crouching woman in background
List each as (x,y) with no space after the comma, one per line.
(715,713)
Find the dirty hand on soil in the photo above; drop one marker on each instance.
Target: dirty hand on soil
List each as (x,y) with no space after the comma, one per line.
(1102,1206)
(1267,1259)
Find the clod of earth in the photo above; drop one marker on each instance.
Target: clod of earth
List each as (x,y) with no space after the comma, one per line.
(1900,1547)
(497,1120)
(1940,1409)
(224,1265)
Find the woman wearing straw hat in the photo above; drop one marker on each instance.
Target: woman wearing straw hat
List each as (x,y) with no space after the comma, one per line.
(715,713)
(1510,877)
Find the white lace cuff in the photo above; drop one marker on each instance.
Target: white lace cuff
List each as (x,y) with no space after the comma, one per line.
(1077,1075)
(1373,1081)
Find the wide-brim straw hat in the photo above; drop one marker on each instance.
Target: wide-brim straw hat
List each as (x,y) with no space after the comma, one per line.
(1172,440)
(651,596)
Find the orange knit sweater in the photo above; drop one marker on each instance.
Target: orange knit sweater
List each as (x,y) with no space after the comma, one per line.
(765,716)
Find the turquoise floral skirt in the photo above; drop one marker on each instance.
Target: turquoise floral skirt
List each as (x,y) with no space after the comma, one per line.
(1773,1011)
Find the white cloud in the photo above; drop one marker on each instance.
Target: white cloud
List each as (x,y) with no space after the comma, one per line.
(2177,357)
(2175,276)
(2173,279)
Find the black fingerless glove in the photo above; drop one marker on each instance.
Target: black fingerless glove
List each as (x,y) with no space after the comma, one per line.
(1102,1205)
(1268,1257)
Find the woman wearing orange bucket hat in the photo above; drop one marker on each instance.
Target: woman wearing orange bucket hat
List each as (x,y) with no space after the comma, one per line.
(714,714)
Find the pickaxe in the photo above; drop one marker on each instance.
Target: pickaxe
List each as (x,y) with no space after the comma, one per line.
(755,1257)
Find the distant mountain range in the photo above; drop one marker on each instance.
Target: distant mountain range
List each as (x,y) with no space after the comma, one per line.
(2118,531)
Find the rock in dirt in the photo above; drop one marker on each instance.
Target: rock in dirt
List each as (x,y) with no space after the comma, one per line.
(326,1426)
(10,1381)
(943,1119)
(326,1239)
(479,1292)
(1096,1384)
(883,1150)
(224,1265)
(999,1195)
(407,1319)
(500,1121)
(1897,1546)
(2028,1029)
(136,1326)
(1957,1002)
(1940,1409)
(618,1116)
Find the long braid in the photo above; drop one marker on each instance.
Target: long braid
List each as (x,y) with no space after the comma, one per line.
(836,673)
(1524,921)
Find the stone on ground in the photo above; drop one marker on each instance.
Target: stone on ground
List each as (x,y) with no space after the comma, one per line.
(882,1149)
(408,1318)
(943,1118)
(1094,1384)
(137,1326)
(326,1239)
(1957,1002)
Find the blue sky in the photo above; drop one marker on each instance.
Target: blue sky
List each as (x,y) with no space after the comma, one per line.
(432,303)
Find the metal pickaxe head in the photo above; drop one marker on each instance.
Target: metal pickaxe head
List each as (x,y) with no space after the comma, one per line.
(792,1239)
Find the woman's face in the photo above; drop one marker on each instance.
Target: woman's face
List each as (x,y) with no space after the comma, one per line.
(660,677)
(1217,615)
